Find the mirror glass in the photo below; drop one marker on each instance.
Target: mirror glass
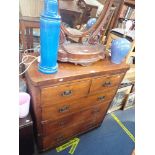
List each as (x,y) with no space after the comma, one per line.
(80,14)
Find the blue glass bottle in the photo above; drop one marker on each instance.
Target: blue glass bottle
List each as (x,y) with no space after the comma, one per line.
(49,37)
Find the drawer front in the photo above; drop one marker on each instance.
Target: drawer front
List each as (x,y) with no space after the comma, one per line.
(64,109)
(57,138)
(102,83)
(93,114)
(63,93)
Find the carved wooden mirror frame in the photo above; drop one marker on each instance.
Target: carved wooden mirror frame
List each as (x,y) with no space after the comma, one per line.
(93,51)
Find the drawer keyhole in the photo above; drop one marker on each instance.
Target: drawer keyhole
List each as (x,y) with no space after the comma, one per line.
(101,98)
(66,93)
(62,123)
(64,109)
(95,111)
(60,138)
(106,84)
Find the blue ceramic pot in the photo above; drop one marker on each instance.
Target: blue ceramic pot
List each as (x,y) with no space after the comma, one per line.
(119,49)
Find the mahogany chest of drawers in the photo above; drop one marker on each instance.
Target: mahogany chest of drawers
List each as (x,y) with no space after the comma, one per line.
(72,101)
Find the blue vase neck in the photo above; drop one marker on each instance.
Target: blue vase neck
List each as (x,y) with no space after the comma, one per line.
(50,8)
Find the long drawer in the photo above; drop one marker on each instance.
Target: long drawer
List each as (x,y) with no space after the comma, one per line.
(65,108)
(64,93)
(94,113)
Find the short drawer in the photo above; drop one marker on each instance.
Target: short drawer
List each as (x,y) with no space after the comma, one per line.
(65,92)
(102,83)
(93,114)
(63,109)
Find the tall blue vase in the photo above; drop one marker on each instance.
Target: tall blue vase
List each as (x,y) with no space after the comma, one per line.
(49,37)
(119,49)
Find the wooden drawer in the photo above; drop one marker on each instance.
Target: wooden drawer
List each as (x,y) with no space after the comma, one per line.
(102,83)
(63,109)
(94,113)
(57,138)
(64,93)
(52,141)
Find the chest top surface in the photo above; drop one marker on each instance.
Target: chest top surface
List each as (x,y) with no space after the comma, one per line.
(68,71)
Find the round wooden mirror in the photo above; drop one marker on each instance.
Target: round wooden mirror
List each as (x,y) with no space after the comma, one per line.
(85,46)
(99,25)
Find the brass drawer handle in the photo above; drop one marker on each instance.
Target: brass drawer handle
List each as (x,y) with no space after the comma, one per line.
(101,98)
(67,93)
(106,84)
(64,109)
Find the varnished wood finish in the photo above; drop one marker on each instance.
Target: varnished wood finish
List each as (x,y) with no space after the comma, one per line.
(63,135)
(35,99)
(58,137)
(68,72)
(64,93)
(100,83)
(73,100)
(62,109)
(130,2)
(118,5)
(93,113)
(27,24)
(81,54)
(92,36)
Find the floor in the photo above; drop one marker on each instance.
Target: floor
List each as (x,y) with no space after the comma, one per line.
(108,139)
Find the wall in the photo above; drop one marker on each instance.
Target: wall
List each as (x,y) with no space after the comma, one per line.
(31,8)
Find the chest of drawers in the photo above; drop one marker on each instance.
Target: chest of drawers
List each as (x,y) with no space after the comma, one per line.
(72,101)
